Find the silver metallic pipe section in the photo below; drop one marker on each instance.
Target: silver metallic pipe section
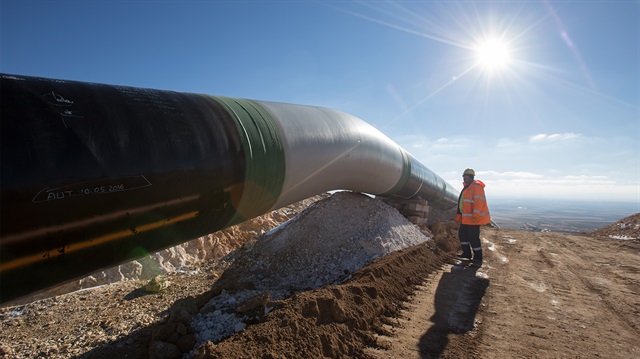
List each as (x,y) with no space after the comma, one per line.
(330,150)
(424,183)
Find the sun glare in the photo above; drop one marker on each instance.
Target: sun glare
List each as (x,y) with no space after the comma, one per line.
(492,54)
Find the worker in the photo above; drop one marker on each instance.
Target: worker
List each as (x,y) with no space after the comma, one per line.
(473,212)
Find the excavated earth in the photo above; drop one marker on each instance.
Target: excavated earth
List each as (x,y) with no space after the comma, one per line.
(350,277)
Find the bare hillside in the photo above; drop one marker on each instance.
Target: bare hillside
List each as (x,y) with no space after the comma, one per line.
(627,228)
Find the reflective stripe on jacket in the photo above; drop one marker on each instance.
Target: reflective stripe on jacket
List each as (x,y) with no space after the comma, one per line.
(472,208)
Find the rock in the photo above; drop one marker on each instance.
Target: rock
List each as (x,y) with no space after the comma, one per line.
(254,306)
(239,327)
(157,284)
(6,351)
(205,350)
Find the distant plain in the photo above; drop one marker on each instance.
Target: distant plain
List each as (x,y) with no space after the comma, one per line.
(557,215)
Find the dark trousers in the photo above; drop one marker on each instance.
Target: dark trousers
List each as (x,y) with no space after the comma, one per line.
(469,236)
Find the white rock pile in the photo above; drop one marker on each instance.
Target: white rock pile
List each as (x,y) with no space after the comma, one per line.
(330,240)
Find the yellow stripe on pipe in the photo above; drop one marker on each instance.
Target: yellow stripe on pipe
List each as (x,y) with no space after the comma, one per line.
(99,240)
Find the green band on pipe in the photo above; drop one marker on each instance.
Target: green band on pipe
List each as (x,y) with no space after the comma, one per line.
(264,152)
(404,178)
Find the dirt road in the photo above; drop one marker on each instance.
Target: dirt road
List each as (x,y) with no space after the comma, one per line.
(546,295)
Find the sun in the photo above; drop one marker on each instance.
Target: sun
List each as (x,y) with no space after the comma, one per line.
(492,54)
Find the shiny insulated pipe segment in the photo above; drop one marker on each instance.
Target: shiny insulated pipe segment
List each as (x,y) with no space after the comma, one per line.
(95,175)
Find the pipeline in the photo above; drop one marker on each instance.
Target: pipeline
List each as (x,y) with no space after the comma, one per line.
(95,175)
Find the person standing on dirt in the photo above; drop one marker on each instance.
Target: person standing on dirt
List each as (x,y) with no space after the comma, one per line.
(473,212)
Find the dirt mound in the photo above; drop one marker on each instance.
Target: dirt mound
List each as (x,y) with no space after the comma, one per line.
(335,321)
(329,241)
(627,229)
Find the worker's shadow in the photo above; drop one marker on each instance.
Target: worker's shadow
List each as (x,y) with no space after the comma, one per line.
(456,302)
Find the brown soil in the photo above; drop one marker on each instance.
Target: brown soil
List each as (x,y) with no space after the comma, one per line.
(542,295)
(537,295)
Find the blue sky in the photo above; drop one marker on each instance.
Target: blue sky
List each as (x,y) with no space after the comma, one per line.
(560,118)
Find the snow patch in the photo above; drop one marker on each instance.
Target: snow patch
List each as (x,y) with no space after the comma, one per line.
(624,238)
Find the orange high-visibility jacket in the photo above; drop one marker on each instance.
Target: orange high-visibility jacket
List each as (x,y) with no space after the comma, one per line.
(472,205)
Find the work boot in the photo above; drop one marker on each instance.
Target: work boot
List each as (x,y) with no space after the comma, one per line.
(466,251)
(477,260)
(477,254)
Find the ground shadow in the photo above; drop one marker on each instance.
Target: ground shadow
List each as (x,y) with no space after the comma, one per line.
(456,302)
(136,293)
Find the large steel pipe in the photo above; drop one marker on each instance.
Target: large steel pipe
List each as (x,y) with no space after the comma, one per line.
(95,175)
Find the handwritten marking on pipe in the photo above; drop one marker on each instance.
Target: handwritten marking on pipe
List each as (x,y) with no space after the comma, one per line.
(58,100)
(98,240)
(102,186)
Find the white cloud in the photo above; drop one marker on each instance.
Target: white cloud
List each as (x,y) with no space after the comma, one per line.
(543,137)
(421,146)
(588,179)
(509,174)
